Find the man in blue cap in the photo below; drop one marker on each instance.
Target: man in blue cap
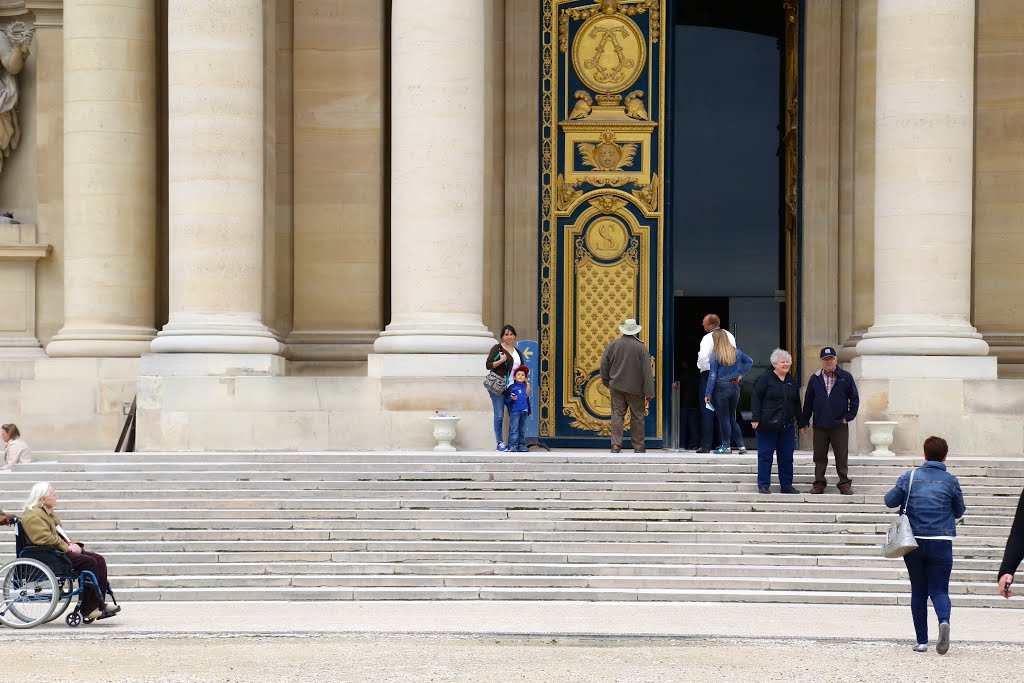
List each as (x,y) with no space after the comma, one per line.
(832,399)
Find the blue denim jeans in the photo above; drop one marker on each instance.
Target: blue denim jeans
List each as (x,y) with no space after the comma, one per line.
(929,567)
(517,428)
(780,444)
(726,398)
(498,403)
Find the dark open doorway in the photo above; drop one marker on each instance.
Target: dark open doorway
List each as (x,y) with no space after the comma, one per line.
(730,183)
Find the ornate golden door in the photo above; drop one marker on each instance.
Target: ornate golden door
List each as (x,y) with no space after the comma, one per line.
(602,231)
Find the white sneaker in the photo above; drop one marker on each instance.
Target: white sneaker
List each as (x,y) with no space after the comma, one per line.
(919,647)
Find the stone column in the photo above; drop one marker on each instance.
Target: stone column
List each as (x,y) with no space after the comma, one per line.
(922,364)
(215,171)
(924,180)
(109,178)
(437,180)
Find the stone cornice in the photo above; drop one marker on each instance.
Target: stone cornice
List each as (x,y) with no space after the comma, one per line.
(23,252)
(48,13)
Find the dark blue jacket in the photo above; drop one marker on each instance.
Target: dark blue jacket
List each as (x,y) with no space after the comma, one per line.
(936,501)
(517,400)
(830,410)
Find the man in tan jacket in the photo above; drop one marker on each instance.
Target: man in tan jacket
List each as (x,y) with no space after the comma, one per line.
(626,371)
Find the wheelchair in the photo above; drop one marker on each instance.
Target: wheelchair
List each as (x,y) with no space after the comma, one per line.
(38,586)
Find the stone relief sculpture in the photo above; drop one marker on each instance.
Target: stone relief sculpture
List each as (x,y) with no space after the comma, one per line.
(15,39)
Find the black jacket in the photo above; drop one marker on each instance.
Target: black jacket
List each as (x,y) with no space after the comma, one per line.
(775,403)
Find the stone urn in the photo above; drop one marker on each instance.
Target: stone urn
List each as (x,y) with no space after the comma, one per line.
(880,435)
(444,431)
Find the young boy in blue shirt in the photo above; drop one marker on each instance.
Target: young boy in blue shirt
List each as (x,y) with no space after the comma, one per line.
(518,409)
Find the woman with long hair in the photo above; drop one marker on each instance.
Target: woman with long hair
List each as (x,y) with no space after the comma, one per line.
(728,365)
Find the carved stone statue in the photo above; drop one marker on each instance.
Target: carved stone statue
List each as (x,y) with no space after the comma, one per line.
(15,39)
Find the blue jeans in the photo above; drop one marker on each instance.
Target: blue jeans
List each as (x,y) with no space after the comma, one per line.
(726,398)
(780,444)
(498,403)
(517,428)
(929,567)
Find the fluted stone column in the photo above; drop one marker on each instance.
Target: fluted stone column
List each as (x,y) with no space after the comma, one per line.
(215,168)
(924,180)
(437,180)
(109,178)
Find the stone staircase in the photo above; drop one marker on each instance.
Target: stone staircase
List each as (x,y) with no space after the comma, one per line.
(579,525)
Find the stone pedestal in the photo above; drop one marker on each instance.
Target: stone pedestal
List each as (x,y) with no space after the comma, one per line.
(19,254)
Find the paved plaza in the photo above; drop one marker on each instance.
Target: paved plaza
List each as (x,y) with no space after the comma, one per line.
(519,641)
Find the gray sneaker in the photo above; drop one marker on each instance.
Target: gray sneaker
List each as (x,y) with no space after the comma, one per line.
(920,647)
(942,647)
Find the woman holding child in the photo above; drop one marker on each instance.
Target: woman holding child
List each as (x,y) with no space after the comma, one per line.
(503,359)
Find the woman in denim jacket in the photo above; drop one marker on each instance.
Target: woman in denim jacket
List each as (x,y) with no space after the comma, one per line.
(936,502)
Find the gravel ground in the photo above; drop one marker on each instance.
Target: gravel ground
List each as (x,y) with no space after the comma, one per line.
(443,659)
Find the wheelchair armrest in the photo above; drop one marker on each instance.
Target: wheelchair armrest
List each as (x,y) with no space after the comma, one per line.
(54,558)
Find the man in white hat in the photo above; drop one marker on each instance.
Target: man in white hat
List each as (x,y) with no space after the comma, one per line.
(626,371)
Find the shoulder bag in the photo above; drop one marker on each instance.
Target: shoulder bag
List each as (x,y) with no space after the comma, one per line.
(495,383)
(899,539)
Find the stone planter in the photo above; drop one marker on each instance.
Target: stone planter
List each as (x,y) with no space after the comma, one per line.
(444,431)
(880,435)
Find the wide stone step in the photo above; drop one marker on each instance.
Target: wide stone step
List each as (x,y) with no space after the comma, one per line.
(563,525)
(540,593)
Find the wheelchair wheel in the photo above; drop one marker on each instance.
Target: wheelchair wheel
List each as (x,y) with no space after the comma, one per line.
(67,591)
(74,619)
(30,593)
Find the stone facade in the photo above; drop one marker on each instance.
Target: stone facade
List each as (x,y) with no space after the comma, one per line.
(237,222)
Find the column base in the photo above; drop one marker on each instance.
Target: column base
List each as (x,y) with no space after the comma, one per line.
(330,345)
(922,336)
(113,341)
(205,333)
(417,339)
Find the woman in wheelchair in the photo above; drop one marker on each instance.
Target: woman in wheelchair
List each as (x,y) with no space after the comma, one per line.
(43,528)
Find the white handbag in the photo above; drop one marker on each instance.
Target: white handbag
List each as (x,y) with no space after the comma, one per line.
(899,539)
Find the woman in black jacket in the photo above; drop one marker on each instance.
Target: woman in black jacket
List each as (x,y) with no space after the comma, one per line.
(775,405)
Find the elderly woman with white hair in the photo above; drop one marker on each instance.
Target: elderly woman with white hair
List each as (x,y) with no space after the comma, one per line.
(43,527)
(775,406)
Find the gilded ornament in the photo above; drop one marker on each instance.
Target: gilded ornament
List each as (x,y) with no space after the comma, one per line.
(567,194)
(649,194)
(607,155)
(609,53)
(584,103)
(606,238)
(597,397)
(635,106)
(607,204)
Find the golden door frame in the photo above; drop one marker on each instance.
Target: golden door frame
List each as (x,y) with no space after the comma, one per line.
(602,160)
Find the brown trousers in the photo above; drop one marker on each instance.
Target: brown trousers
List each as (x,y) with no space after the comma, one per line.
(839,438)
(94,562)
(637,407)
